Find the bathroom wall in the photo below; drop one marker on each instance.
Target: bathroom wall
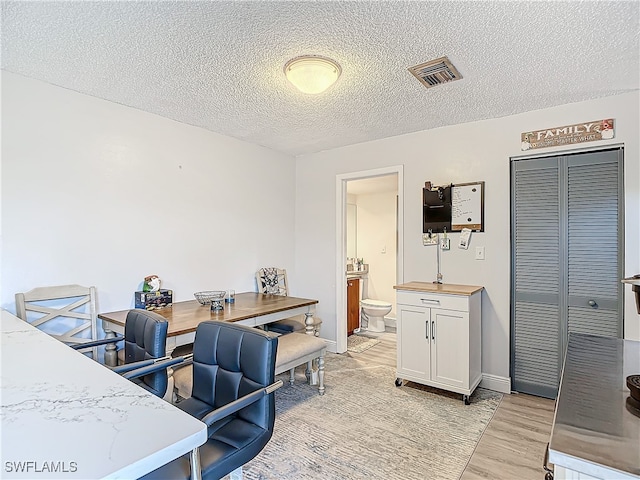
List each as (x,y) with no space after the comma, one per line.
(352,230)
(377,244)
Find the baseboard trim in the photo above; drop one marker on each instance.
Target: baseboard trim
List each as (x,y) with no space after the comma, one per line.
(390,322)
(496,383)
(332,345)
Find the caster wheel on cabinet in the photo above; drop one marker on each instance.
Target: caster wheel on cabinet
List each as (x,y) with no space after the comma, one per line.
(465,399)
(398,382)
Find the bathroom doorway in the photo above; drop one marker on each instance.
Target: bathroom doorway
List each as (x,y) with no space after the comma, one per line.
(374,187)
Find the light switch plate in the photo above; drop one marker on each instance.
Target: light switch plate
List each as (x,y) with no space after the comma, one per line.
(479,253)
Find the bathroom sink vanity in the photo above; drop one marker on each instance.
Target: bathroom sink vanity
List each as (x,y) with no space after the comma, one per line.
(439,336)
(355,285)
(353,304)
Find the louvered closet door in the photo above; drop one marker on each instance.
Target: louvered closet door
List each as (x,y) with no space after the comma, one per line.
(566,260)
(594,241)
(536,279)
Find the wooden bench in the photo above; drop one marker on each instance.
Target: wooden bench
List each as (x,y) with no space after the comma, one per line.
(293,349)
(297,348)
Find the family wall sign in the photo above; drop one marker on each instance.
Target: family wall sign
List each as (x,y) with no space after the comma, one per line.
(568,134)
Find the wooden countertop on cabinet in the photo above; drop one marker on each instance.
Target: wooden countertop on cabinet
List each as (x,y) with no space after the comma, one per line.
(449,288)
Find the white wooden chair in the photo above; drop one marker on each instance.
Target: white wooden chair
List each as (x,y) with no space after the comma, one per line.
(272,280)
(66,312)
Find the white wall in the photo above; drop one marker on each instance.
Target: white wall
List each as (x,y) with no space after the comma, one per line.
(377,230)
(461,153)
(101,194)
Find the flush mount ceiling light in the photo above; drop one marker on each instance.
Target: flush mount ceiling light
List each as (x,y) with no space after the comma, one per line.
(311,73)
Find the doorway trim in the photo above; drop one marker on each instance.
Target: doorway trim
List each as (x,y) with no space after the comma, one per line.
(341,242)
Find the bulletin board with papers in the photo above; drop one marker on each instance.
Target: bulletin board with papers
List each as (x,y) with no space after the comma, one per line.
(467,206)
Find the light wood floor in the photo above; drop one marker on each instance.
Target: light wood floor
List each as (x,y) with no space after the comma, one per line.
(512,446)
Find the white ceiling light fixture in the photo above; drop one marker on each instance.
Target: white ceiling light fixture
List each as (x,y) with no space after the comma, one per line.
(312,74)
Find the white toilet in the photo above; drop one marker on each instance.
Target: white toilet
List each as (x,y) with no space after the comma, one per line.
(374,311)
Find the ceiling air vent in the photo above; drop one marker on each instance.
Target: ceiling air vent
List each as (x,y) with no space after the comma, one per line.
(436,72)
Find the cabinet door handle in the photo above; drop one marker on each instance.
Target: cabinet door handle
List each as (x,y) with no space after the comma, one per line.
(426,328)
(429,301)
(433,330)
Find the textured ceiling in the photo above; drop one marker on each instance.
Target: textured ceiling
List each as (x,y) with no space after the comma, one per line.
(218,64)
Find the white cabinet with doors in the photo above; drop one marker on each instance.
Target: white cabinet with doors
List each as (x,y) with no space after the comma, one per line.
(439,336)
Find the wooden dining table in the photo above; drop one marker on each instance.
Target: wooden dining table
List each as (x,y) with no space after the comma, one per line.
(250,308)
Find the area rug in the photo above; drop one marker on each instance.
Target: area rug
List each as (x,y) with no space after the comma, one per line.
(364,427)
(359,343)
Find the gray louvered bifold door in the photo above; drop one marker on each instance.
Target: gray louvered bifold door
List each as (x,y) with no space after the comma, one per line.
(536,279)
(594,266)
(566,260)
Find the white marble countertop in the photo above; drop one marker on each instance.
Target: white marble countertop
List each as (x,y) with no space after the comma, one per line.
(66,416)
(594,432)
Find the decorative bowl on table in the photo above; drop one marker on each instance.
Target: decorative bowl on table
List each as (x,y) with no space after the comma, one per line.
(210,296)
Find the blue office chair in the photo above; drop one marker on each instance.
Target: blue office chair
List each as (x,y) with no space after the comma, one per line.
(233,393)
(145,339)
